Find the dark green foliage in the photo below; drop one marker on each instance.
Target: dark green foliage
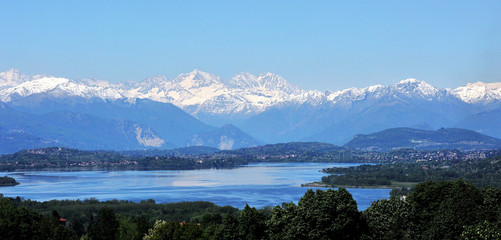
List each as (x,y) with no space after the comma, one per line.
(444,208)
(481,172)
(144,213)
(400,191)
(22,223)
(19,223)
(211,219)
(481,231)
(251,224)
(106,226)
(390,219)
(174,230)
(437,210)
(326,214)
(491,211)
(7,181)
(281,222)
(433,210)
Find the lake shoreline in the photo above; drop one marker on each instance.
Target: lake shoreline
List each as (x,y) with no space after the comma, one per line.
(325,185)
(259,184)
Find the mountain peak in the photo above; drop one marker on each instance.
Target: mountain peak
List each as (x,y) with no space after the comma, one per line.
(479,92)
(12,71)
(409,81)
(197,74)
(494,85)
(244,80)
(197,79)
(412,86)
(12,77)
(273,81)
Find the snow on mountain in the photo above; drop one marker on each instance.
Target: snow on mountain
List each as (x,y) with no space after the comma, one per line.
(414,87)
(12,77)
(489,85)
(201,92)
(244,80)
(479,92)
(58,87)
(408,88)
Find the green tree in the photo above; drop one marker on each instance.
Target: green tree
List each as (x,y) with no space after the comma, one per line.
(443,208)
(18,223)
(106,227)
(330,214)
(163,230)
(251,224)
(127,229)
(174,230)
(390,219)
(481,231)
(281,224)
(229,228)
(492,206)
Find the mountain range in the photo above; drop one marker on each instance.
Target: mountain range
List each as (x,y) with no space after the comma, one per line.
(200,108)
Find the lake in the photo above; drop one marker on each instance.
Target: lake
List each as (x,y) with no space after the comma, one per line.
(259,185)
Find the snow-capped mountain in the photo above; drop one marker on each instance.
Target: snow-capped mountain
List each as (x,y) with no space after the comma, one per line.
(12,77)
(479,92)
(201,92)
(58,87)
(408,88)
(268,107)
(335,117)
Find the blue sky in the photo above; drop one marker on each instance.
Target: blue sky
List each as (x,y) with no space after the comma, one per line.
(325,45)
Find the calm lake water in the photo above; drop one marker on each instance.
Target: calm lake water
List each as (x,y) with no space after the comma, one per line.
(259,185)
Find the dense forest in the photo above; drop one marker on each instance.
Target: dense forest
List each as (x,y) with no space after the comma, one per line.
(201,158)
(480,172)
(433,210)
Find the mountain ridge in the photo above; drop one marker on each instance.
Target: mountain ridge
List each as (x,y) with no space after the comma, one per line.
(95,124)
(200,91)
(270,109)
(443,138)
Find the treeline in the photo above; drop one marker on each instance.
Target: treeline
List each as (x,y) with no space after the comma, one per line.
(92,219)
(72,158)
(325,152)
(433,210)
(7,181)
(480,172)
(200,157)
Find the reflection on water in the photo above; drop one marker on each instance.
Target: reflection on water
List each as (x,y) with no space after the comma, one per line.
(259,185)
